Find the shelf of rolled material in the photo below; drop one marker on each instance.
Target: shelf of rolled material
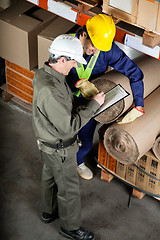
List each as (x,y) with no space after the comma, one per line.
(144,175)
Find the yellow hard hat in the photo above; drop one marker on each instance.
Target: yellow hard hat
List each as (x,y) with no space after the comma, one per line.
(101,30)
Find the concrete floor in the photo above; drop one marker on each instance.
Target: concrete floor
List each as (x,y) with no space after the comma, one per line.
(105,208)
(104,205)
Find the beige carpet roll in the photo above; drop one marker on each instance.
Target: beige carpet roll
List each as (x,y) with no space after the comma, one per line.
(129,142)
(151,70)
(111,114)
(156,147)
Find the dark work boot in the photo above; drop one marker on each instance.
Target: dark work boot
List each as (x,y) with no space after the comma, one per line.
(79,234)
(48,218)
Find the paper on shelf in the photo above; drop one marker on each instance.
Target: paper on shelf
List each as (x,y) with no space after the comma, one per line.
(136,43)
(62,10)
(34,1)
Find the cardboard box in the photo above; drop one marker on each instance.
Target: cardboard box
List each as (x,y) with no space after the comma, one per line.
(125,10)
(111,163)
(158,20)
(58,26)
(142,13)
(141,177)
(121,169)
(20,24)
(153,185)
(147,14)
(131,173)
(103,157)
(102,153)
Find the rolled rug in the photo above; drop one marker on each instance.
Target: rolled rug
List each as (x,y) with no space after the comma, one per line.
(130,141)
(111,113)
(156,147)
(151,70)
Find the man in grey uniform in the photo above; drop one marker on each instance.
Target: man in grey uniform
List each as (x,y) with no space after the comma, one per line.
(56,124)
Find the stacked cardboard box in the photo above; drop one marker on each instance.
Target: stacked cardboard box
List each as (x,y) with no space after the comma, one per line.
(103,157)
(45,37)
(20,24)
(145,176)
(121,169)
(153,185)
(141,177)
(142,13)
(26,34)
(131,174)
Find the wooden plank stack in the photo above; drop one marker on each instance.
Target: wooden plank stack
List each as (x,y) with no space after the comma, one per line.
(19,82)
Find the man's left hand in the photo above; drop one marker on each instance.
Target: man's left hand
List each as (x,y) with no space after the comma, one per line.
(131,115)
(87,89)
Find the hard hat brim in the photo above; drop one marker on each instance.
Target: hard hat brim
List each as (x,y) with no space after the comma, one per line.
(81,60)
(104,48)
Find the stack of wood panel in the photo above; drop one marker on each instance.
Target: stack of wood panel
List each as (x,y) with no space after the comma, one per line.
(19,82)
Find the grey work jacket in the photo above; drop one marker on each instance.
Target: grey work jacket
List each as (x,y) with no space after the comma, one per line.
(52,108)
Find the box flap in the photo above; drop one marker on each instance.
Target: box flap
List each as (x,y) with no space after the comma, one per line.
(42,15)
(25,23)
(10,13)
(57,27)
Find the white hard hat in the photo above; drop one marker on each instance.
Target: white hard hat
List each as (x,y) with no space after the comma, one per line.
(69,46)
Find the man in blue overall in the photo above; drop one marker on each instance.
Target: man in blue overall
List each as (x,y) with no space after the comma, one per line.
(100,52)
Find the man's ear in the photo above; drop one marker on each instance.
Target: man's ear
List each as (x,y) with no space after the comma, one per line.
(62,60)
(84,35)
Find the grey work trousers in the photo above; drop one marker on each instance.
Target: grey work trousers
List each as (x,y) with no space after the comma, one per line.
(60,187)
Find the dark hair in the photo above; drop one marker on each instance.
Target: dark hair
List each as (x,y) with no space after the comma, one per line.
(82,30)
(53,59)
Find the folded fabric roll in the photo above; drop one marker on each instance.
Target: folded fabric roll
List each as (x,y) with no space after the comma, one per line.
(129,142)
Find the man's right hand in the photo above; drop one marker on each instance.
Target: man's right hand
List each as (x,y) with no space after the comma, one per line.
(100,97)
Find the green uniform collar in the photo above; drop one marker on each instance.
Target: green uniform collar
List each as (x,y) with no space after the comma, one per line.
(54,73)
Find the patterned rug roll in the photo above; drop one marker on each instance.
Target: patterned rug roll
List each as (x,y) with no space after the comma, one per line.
(129,142)
(156,147)
(151,69)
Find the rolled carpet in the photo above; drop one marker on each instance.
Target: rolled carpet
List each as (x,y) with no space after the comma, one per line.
(156,147)
(111,113)
(151,70)
(129,142)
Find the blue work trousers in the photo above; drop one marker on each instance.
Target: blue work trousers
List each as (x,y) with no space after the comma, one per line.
(86,136)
